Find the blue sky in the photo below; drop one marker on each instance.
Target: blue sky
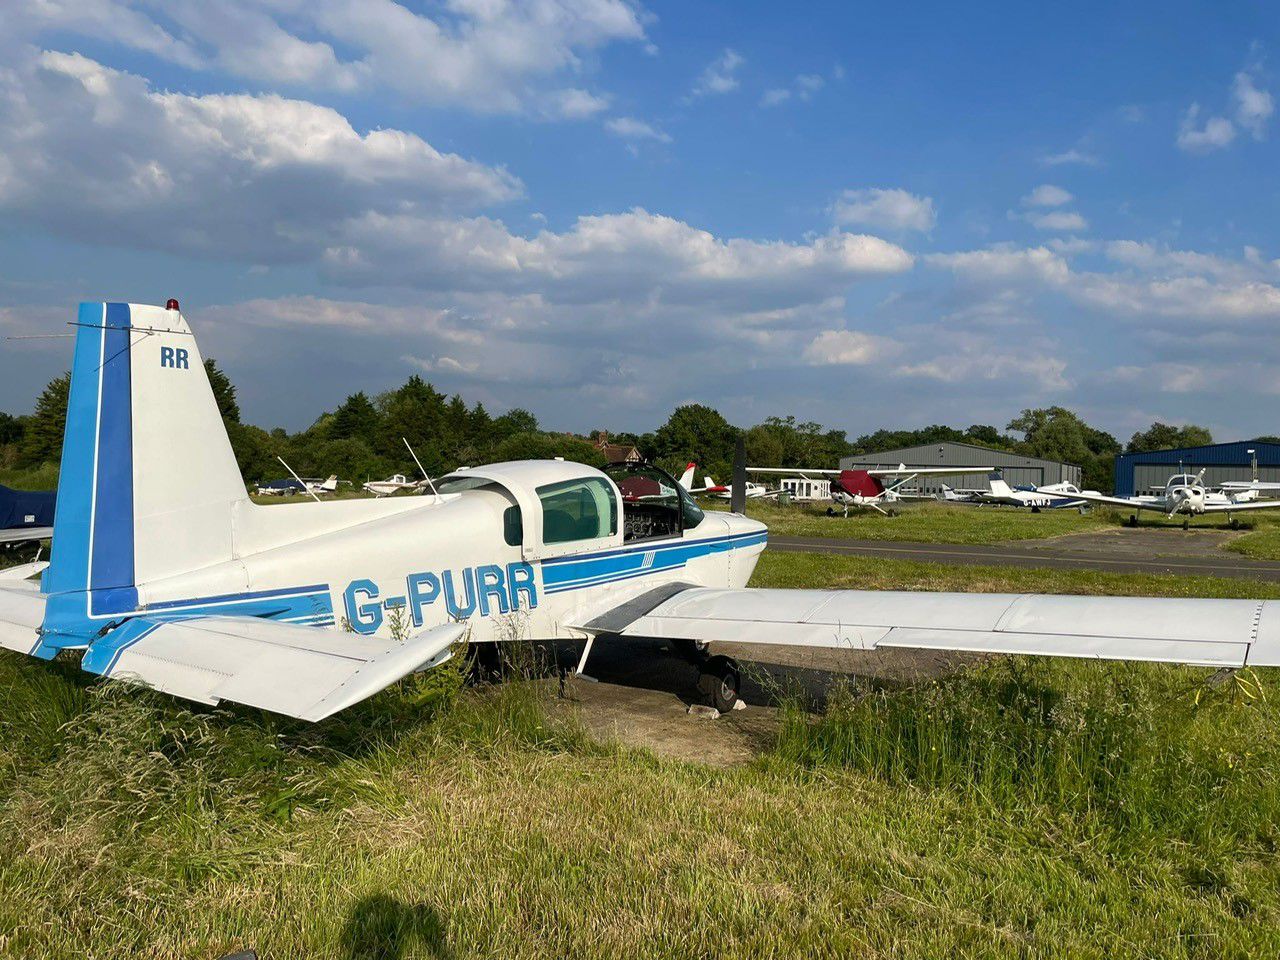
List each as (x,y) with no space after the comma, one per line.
(597,209)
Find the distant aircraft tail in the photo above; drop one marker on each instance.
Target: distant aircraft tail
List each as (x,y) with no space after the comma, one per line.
(686,478)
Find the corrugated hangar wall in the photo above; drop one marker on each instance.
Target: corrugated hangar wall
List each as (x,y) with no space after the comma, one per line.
(1018,470)
(1145,473)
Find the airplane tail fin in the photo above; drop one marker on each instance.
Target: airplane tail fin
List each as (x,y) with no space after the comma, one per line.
(686,478)
(148,479)
(999,486)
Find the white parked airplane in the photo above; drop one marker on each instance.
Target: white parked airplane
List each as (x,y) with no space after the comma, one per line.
(1184,495)
(199,592)
(395,484)
(866,488)
(1054,496)
(287,488)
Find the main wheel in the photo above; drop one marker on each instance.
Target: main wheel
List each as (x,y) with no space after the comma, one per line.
(720,682)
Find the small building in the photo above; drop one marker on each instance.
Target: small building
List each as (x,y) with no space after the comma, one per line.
(806,489)
(616,452)
(1147,473)
(1018,470)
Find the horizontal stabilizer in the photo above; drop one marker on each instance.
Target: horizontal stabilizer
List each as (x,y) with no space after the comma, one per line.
(1217,633)
(21,613)
(304,672)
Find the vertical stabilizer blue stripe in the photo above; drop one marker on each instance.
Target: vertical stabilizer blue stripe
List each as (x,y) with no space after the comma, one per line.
(111,561)
(69,562)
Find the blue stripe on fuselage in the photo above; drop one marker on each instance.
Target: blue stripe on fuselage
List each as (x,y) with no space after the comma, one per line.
(587,570)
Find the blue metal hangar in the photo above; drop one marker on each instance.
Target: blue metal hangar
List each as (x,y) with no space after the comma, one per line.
(1139,473)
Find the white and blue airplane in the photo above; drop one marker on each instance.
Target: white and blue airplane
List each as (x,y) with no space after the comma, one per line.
(197,591)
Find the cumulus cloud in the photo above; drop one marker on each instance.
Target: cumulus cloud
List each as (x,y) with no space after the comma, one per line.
(1213,133)
(1058,220)
(720,75)
(636,257)
(1005,264)
(893,209)
(846,348)
(1253,109)
(96,154)
(1047,195)
(629,128)
(803,87)
(486,55)
(1253,105)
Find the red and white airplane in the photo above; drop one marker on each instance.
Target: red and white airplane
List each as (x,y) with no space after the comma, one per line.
(867,488)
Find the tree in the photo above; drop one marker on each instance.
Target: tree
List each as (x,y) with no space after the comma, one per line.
(1163,436)
(357,417)
(42,441)
(1055,433)
(11,428)
(224,392)
(698,433)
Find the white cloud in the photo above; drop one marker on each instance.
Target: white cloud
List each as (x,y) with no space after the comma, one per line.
(1058,220)
(893,209)
(983,360)
(629,128)
(1214,134)
(1072,156)
(1253,106)
(803,87)
(95,154)
(1047,195)
(720,75)
(484,55)
(846,348)
(1005,264)
(574,104)
(635,258)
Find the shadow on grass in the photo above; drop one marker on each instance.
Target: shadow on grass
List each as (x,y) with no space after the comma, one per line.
(382,928)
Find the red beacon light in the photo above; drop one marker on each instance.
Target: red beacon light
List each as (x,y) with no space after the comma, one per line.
(171,304)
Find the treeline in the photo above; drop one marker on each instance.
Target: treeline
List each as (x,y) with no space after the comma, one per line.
(364,438)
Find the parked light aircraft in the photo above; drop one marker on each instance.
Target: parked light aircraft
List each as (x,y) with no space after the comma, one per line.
(1184,495)
(199,592)
(287,488)
(1054,496)
(395,484)
(26,515)
(866,488)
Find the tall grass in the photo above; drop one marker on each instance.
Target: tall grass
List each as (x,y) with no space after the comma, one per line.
(1141,750)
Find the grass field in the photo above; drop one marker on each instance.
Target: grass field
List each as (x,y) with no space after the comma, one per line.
(1264,542)
(1020,809)
(936,522)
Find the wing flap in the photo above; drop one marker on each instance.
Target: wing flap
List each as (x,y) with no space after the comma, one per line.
(304,672)
(1208,632)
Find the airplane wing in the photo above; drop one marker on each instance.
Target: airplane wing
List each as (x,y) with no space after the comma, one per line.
(1215,633)
(19,534)
(1246,505)
(1091,497)
(905,471)
(793,471)
(304,672)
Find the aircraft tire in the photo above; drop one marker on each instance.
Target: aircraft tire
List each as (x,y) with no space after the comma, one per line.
(719,682)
